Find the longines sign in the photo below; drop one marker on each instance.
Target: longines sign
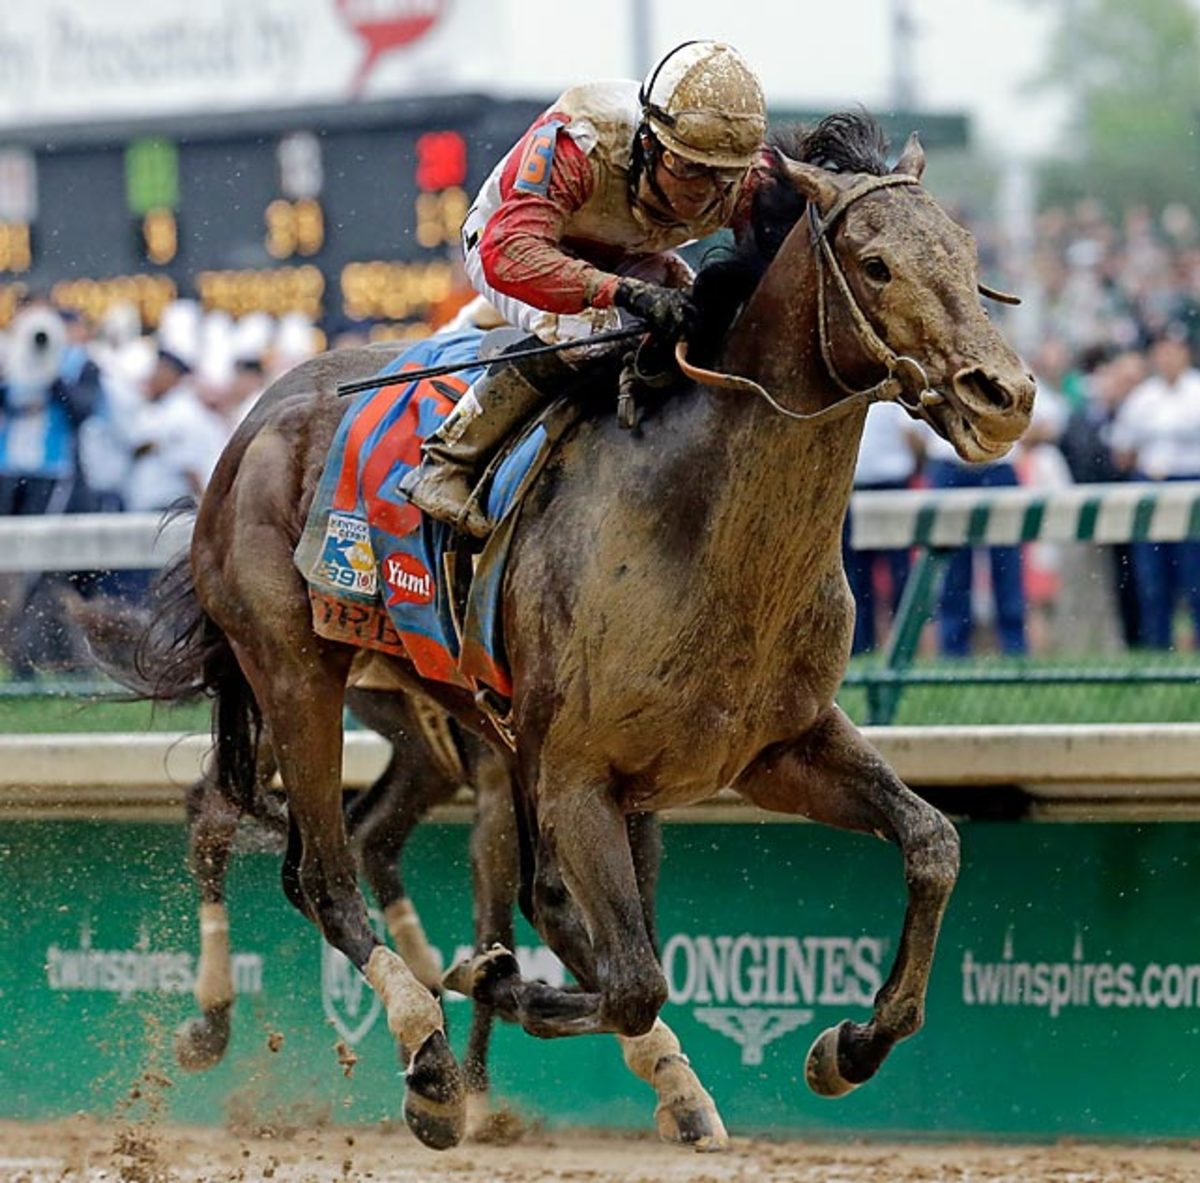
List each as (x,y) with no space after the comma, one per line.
(1064,951)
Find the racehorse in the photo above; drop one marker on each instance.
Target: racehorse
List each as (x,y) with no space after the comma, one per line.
(675,610)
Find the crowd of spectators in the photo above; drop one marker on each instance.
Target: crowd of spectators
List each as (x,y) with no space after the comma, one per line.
(107,417)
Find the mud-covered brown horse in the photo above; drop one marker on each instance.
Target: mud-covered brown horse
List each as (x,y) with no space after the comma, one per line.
(676,615)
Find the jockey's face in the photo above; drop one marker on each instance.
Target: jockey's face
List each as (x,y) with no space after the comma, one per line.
(691,188)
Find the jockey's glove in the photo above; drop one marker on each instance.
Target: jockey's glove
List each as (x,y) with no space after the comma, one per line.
(668,312)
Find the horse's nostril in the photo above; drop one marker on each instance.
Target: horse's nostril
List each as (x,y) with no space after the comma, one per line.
(984,388)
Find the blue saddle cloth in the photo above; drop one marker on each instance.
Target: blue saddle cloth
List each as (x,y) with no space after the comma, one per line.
(375,565)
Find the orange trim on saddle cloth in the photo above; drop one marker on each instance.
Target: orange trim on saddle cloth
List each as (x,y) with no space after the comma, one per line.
(364,625)
(402,444)
(477,664)
(368,626)
(345,496)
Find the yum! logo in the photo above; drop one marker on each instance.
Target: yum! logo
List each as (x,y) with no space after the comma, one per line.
(408,578)
(764,987)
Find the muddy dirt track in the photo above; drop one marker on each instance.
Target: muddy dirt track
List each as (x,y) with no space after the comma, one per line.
(84,1150)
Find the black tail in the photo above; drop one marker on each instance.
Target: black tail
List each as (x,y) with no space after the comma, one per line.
(173,651)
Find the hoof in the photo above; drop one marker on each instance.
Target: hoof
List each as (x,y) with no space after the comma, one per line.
(686,1115)
(435,1106)
(201,1042)
(821,1068)
(698,1126)
(475,977)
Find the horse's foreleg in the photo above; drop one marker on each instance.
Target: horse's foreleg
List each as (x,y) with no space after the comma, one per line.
(302,700)
(212,822)
(833,775)
(588,834)
(686,1113)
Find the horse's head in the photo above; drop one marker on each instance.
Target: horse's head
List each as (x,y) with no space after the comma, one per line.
(900,293)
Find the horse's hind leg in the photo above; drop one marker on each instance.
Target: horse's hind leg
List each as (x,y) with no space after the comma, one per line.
(212,822)
(400,800)
(833,775)
(301,692)
(424,770)
(495,876)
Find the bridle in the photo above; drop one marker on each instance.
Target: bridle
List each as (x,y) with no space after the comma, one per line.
(897,366)
(905,381)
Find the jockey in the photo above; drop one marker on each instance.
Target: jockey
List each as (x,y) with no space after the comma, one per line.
(581,219)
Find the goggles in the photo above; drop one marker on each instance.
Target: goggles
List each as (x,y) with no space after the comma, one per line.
(683,169)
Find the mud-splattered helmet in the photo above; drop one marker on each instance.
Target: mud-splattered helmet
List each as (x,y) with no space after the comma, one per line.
(704,103)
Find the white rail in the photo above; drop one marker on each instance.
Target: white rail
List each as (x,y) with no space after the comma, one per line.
(90,541)
(1157,511)
(1105,771)
(1131,511)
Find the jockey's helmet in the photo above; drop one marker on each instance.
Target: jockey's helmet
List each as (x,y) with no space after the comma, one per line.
(704,103)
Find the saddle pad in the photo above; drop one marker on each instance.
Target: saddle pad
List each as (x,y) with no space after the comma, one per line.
(374,563)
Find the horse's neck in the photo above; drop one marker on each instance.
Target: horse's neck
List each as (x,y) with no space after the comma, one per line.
(778,517)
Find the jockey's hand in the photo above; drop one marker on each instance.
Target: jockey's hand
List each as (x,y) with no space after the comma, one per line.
(668,312)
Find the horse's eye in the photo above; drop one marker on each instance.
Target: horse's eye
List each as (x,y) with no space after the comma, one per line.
(876,269)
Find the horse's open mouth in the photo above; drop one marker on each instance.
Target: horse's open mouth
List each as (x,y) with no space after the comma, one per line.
(970,442)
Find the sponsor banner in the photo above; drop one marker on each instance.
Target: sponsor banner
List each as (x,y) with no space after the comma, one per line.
(93,59)
(1066,990)
(408,579)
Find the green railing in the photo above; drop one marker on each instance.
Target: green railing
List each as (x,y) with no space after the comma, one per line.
(940,522)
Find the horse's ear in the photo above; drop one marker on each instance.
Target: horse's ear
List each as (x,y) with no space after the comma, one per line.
(814,183)
(912,159)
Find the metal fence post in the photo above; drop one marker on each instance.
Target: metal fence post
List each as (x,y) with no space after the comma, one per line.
(883,696)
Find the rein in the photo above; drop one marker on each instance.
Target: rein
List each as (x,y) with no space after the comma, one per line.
(903,372)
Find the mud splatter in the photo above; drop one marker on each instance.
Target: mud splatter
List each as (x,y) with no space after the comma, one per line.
(346,1057)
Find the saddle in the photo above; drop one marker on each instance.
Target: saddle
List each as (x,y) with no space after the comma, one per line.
(383,576)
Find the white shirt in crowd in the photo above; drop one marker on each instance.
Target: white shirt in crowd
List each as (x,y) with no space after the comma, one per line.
(1160,426)
(886,455)
(179,441)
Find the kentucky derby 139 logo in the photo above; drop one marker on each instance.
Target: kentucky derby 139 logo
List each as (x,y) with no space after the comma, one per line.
(756,989)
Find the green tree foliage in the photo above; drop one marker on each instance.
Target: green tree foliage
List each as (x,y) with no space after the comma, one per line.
(1131,69)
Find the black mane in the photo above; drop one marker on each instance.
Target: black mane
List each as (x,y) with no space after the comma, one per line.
(847,142)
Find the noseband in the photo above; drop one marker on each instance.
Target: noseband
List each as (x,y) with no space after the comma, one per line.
(904,373)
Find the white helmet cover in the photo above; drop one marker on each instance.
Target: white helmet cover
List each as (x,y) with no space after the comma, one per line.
(705,103)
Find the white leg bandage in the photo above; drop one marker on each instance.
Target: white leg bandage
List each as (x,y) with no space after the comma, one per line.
(413,1013)
(657,1058)
(643,1052)
(214,974)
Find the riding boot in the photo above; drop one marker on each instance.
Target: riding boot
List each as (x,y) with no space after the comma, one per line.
(454,456)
